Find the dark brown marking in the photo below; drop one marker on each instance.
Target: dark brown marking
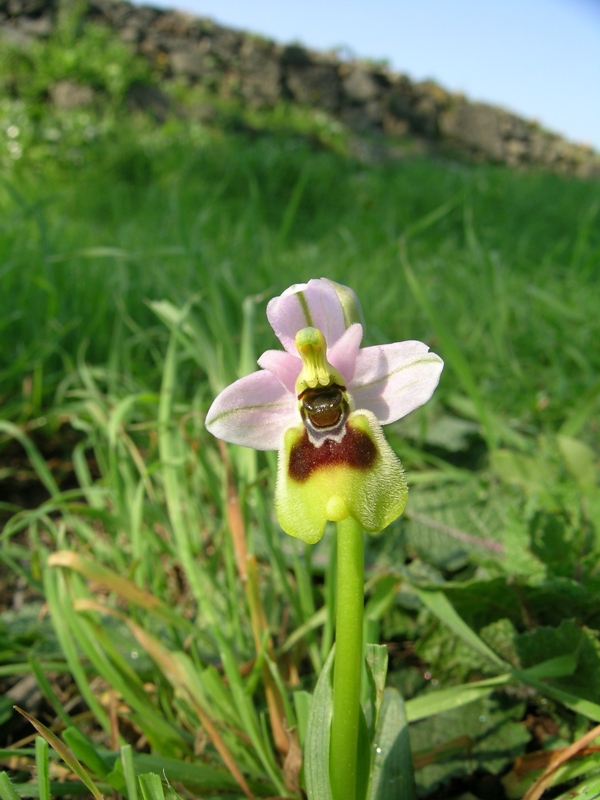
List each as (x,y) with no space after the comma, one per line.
(355,450)
(323,406)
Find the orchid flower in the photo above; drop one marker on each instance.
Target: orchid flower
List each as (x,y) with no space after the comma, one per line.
(321,403)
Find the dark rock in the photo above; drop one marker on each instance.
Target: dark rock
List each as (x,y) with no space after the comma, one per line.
(294,55)
(476,125)
(135,26)
(260,73)
(18,8)
(16,36)
(393,126)
(143,97)
(367,118)
(191,61)
(225,44)
(360,87)
(70,94)
(401,98)
(314,85)
(36,27)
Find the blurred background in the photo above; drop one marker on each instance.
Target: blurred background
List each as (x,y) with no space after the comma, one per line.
(538,58)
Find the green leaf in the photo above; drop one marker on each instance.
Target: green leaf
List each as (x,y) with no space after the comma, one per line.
(580,460)
(34,455)
(151,786)
(302,704)
(7,791)
(376,659)
(318,731)
(438,603)
(533,475)
(363,757)
(83,749)
(487,734)
(392,771)
(42,765)
(434,703)
(587,790)
(64,752)
(545,643)
(129,771)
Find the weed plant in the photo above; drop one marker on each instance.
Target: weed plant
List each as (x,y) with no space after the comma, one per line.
(135,267)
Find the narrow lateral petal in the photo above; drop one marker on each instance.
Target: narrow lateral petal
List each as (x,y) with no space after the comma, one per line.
(343,354)
(255,411)
(391,380)
(284,366)
(315,305)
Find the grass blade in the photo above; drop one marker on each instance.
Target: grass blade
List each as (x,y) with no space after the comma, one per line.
(64,752)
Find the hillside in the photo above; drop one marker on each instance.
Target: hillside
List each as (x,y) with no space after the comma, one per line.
(381,108)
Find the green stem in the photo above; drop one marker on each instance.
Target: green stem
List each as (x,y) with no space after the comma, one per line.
(347,666)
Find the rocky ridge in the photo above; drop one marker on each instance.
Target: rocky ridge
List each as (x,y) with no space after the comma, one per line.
(371,100)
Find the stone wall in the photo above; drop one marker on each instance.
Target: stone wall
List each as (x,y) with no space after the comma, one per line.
(370,100)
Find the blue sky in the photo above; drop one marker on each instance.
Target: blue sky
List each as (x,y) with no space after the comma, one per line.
(538,58)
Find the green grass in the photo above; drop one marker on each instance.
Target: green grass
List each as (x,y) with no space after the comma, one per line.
(136,265)
(510,265)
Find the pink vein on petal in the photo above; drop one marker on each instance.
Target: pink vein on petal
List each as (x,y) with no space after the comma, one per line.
(316,305)
(391,380)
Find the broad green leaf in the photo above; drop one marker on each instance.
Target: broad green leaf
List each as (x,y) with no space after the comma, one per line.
(434,703)
(580,460)
(533,475)
(151,786)
(487,734)
(376,659)
(438,604)
(568,640)
(318,731)
(363,757)
(586,790)
(392,771)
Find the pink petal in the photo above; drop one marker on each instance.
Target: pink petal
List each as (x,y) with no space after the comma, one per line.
(283,365)
(343,354)
(254,411)
(314,304)
(391,380)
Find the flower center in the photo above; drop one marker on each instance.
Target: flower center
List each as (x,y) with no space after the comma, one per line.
(320,389)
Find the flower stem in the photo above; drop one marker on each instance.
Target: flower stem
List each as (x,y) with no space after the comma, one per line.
(347,666)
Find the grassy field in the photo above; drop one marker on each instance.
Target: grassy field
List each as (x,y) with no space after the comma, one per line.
(135,264)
